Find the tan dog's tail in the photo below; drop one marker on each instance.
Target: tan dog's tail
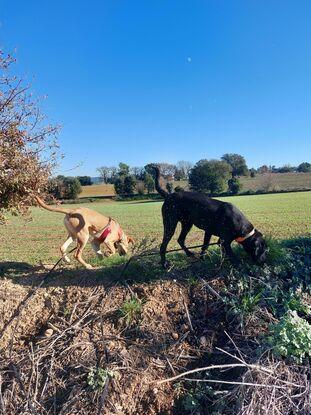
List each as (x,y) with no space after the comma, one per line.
(50,208)
(130,240)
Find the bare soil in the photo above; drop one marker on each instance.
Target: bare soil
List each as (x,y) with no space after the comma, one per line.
(73,324)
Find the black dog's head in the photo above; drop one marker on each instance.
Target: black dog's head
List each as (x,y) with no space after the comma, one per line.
(256,247)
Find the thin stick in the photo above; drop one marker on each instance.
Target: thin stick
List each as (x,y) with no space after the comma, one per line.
(188,315)
(170,365)
(201,369)
(227,382)
(210,289)
(236,347)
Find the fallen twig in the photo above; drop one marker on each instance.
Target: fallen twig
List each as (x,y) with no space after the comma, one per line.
(188,315)
(212,367)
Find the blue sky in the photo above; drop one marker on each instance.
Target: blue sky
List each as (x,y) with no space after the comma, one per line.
(141,81)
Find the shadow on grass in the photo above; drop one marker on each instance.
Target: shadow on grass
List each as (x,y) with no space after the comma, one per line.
(110,271)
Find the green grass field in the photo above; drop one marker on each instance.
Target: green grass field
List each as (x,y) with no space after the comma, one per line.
(282,216)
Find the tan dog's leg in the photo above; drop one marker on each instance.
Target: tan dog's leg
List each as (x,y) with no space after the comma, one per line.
(64,247)
(96,248)
(110,245)
(82,241)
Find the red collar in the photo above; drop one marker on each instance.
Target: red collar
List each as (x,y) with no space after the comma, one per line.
(102,235)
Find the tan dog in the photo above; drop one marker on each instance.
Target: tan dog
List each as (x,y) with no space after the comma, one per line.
(81,223)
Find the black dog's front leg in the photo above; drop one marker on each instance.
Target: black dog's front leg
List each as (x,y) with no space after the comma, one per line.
(227,251)
(207,238)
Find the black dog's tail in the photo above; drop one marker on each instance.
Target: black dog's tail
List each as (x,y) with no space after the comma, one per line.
(159,189)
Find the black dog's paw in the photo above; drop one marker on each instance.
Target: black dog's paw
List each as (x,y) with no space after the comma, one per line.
(166,265)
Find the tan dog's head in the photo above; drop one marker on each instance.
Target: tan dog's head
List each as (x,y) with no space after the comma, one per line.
(123,244)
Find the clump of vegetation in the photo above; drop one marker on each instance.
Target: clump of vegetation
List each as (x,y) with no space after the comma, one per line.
(131,310)
(194,397)
(209,176)
(62,187)
(27,147)
(125,183)
(85,180)
(234,186)
(148,182)
(291,337)
(97,378)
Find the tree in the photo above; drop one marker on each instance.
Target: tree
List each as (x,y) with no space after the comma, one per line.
(178,174)
(63,187)
(119,186)
(263,169)
(124,169)
(107,174)
(125,185)
(252,172)
(129,184)
(287,168)
(167,169)
(209,176)
(85,180)
(234,185)
(184,167)
(304,167)
(149,182)
(27,143)
(138,172)
(149,169)
(237,163)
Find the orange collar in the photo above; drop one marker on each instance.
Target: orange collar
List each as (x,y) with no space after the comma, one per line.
(241,239)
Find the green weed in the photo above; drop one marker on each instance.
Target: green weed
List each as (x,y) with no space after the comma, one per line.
(291,337)
(131,310)
(97,378)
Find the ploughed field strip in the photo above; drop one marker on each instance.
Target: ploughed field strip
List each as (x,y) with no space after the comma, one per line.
(282,216)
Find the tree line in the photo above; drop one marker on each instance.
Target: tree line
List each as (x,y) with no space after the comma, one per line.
(207,176)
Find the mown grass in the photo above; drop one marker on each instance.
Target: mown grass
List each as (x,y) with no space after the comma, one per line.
(281,216)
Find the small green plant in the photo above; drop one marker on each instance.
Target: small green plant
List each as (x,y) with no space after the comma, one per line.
(192,281)
(249,302)
(131,310)
(66,312)
(291,337)
(194,399)
(97,378)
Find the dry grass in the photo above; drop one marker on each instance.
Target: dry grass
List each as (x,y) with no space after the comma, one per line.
(277,181)
(98,190)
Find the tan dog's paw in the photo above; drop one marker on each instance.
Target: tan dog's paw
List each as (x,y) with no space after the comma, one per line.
(89,266)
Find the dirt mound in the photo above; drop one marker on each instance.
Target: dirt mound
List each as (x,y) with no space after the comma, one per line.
(69,340)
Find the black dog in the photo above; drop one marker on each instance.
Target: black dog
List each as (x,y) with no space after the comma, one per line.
(214,217)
